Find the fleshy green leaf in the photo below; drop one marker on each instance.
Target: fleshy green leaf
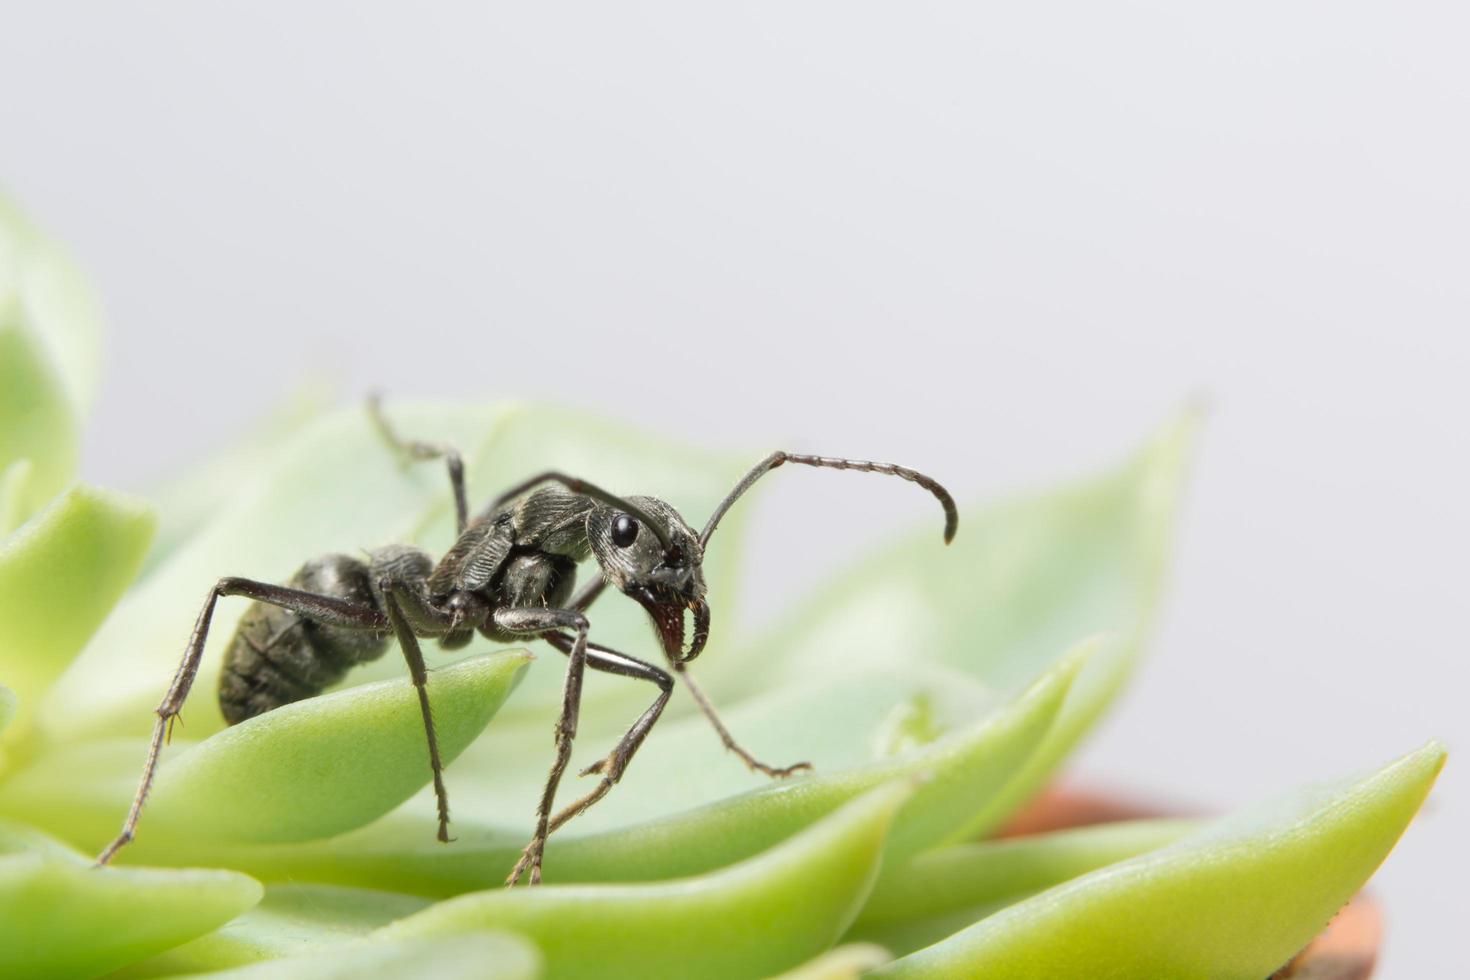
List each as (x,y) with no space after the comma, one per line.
(938,893)
(843,963)
(1020,582)
(60,917)
(475,956)
(401,853)
(8,702)
(37,423)
(60,574)
(329,764)
(290,921)
(58,299)
(752,919)
(1236,900)
(15,487)
(306,770)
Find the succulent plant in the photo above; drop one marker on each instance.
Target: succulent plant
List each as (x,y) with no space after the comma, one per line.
(302,843)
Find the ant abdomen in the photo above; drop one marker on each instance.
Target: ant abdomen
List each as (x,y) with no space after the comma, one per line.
(278,656)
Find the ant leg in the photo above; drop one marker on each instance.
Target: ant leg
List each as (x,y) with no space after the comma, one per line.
(588,596)
(322,609)
(534,622)
(409,644)
(612,767)
(415,449)
(751,762)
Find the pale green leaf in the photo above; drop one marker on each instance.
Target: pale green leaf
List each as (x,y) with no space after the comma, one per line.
(37,422)
(15,487)
(306,770)
(1020,582)
(843,963)
(752,919)
(58,299)
(329,764)
(60,574)
(938,893)
(959,769)
(474,956)
(8,702)
(291,920)
(1236,900)
(61,917)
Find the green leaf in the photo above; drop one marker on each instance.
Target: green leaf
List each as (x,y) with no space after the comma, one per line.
(843,963)
(306,770)
(289,921)
(37,422)
(15,488)
(328,764)
(1236,900)
(400,852)
(475,956)
(938,893)
(60,574)
(1020,582)
(8,702)
(752,919)
(61,917)
(957,770)
(58,299)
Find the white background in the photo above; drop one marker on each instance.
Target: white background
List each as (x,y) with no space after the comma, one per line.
(999,242)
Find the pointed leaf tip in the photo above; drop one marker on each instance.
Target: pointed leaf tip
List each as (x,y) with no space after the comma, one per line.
(1237,899)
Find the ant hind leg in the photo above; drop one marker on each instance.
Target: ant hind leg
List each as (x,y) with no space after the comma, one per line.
(322,609)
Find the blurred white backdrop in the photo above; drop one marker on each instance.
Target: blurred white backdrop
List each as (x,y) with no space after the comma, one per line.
(1000,244)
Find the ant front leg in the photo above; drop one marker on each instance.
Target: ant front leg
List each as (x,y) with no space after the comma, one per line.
(532,621)
(751,762)
(319,608)
(615,763)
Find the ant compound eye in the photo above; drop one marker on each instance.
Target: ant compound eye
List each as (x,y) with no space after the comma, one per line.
(624,530)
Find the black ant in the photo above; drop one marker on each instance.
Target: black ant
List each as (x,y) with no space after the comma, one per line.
(509,576)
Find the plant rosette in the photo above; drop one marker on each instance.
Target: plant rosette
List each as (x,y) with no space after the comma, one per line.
(301,843)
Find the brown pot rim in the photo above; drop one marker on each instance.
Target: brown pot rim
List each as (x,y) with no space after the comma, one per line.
(1346,950)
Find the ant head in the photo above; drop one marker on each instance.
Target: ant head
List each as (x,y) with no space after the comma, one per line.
(647,551)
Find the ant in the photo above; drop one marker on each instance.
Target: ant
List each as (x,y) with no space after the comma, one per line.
(509,576)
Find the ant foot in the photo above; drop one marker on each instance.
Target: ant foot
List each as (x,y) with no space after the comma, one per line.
(775,773)
(530,859)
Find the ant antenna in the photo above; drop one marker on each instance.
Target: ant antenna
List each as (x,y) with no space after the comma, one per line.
(951,513)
